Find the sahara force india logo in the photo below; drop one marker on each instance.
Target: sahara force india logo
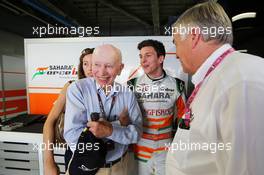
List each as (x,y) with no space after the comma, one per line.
(55,70)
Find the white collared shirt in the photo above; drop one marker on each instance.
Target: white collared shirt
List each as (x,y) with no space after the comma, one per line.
(226,133)
(200,73)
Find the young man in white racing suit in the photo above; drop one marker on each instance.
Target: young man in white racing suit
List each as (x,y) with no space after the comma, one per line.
(162,101)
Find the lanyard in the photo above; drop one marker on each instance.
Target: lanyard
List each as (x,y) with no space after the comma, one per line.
(185,123)
(102,106)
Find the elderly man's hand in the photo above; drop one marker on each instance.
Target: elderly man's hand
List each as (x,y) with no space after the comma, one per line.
(100,129)
(124,117)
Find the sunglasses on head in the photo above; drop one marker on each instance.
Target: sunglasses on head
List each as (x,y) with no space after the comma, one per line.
(87,51)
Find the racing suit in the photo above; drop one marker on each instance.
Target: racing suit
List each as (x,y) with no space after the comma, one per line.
(162,101)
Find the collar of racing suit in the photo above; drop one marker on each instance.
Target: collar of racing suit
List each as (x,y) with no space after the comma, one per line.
(157,79)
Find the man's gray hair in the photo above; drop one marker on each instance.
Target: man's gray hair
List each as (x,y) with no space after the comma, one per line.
(208,18)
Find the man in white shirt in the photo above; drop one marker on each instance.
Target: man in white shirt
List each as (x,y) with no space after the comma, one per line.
(221,132)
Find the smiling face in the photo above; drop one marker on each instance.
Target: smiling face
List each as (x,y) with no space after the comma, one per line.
(106,65)
(151,62)
(87,65)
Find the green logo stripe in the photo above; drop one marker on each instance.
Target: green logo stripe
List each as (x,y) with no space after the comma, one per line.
(38,73)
